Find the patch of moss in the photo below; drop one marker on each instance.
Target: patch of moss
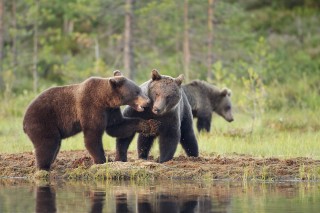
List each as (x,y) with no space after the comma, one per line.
(41,175)
(110,171)
(79,173)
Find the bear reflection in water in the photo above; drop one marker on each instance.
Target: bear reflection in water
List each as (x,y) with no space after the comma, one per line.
(129,201)
(45,199)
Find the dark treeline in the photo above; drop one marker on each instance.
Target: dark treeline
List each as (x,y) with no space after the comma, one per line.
(268,48)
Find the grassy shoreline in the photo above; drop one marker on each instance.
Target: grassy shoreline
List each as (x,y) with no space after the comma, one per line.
(77,165)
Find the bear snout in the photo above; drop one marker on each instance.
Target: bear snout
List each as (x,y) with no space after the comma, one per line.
(142,100)
(229,118)
(156,110)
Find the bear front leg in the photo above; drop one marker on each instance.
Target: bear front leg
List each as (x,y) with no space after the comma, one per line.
(122,145)
(144,146)
(168,142)
(93,143)
(188,139)
(204,123)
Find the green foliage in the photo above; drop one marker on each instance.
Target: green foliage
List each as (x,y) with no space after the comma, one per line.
(222,78)
(278,39)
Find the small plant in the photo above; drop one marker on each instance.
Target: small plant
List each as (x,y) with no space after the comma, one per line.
(41,175)
(246,173)
(222,76)
(302,172)
(107,172)
(264,173)
(255,95)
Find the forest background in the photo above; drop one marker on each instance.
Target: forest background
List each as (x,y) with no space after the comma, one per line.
(266,51)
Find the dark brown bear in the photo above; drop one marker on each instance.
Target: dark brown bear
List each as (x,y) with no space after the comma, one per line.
(91,107)
(205,99)
(170,106)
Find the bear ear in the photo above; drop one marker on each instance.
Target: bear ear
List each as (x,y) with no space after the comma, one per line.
(117,73)
(225,92)
(179,79)
(155,75)
(116,81)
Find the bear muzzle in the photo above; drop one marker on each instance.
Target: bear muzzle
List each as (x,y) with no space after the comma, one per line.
(156,110)
(140,103)
(230,120)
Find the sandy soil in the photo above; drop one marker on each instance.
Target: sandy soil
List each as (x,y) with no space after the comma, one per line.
(78,165)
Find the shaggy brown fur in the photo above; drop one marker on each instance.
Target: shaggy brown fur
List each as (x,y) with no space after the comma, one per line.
(91,107)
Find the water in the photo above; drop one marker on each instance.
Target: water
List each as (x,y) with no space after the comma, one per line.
(172,196)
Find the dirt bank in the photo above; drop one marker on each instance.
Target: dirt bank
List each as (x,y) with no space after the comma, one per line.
(78,165)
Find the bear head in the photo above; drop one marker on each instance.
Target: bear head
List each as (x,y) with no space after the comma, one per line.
(223,105)
(128,92)
(165,92)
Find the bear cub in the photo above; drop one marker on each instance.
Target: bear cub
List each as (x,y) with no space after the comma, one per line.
(205,99)
(91,107)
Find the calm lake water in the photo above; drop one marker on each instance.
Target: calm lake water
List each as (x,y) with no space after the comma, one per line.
(175,196)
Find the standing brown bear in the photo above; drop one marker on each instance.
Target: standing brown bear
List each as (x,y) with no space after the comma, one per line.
(170,106)
(92,107)
(205,99)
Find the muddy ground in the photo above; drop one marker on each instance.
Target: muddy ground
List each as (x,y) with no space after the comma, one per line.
(78,165)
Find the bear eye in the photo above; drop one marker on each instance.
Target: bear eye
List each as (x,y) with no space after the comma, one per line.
(227,108)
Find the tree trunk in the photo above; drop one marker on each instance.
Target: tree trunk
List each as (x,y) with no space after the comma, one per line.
(1,32)
(35,49)
(14,37)
(67,30)
(96,48)
(68,26)
(210,40)
(128,35)
(186,47)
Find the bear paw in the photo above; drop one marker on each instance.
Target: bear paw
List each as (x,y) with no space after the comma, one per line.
(149,127)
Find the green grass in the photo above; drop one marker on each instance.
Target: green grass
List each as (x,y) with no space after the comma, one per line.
(277,134)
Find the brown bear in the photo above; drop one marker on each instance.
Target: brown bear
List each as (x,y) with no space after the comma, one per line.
(204,99)
(169,105)
(91,107)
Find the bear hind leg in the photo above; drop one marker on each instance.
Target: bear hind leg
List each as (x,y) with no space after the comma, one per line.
(122,145)
(47,153)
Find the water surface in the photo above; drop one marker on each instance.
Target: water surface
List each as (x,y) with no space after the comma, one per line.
(171,196)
